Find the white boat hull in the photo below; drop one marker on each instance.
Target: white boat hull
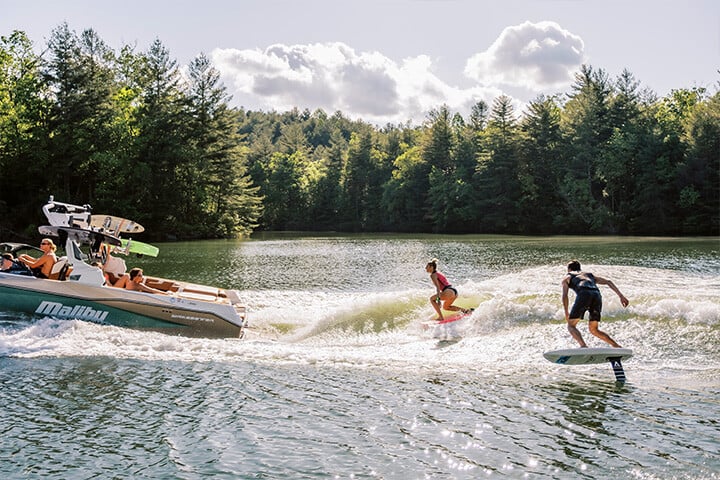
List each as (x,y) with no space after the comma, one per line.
(190,311)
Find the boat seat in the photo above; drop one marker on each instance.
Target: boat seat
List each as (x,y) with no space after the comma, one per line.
(115,266)
(212,291)
(199,292)
(197,296)
(59,270)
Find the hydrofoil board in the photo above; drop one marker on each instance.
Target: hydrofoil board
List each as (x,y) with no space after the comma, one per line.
(587,356)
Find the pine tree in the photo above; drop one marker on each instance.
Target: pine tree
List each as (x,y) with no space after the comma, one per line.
(498,187)
(223,201)
(161,151)
(586,129)
(81,76)
(540,205)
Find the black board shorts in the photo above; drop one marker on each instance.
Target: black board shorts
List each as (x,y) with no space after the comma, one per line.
(450,287)
(587,301)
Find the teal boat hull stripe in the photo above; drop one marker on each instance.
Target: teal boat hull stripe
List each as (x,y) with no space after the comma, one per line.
(68,308)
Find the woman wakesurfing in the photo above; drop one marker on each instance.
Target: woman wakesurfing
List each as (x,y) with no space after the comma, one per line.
(445,293)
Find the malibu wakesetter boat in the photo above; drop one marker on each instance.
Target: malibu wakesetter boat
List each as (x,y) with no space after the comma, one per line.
(77,289)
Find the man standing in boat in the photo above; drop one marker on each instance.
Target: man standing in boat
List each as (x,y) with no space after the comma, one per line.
(587,299)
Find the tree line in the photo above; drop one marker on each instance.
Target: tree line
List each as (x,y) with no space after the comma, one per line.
(135,135)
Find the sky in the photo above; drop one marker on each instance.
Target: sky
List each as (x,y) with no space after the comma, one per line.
(393,61)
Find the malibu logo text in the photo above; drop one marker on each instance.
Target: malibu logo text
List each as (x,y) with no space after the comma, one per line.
(81,312)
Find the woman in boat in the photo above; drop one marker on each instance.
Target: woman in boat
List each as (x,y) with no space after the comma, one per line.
(135,280)
(43,265)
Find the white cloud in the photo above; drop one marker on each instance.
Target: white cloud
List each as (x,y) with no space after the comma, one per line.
(333,76)
(536,56)
(532,57)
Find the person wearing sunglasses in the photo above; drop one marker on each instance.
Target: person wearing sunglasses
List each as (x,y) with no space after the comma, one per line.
(43,265)
(135,280)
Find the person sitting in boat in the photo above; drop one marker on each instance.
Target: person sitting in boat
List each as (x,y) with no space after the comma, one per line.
(135,280)
(10,265)
(41,267)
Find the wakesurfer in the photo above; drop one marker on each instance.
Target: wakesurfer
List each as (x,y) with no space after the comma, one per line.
(445,293)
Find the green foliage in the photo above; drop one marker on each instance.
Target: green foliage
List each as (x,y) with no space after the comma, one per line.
(540,168)
(124,133)
(405,193)
(497,178)
(220,194)
(133,135)
(24,135)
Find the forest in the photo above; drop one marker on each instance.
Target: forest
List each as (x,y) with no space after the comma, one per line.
(135,135)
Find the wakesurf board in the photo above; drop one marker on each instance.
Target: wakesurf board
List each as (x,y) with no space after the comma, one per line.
(115,224)
(447,319)
(139,248)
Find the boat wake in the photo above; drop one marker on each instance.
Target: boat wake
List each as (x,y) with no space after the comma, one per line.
(672,326)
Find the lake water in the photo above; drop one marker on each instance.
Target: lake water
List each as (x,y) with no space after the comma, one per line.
(337,378)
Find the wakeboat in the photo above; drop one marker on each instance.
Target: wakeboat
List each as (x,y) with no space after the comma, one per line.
(77,287)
